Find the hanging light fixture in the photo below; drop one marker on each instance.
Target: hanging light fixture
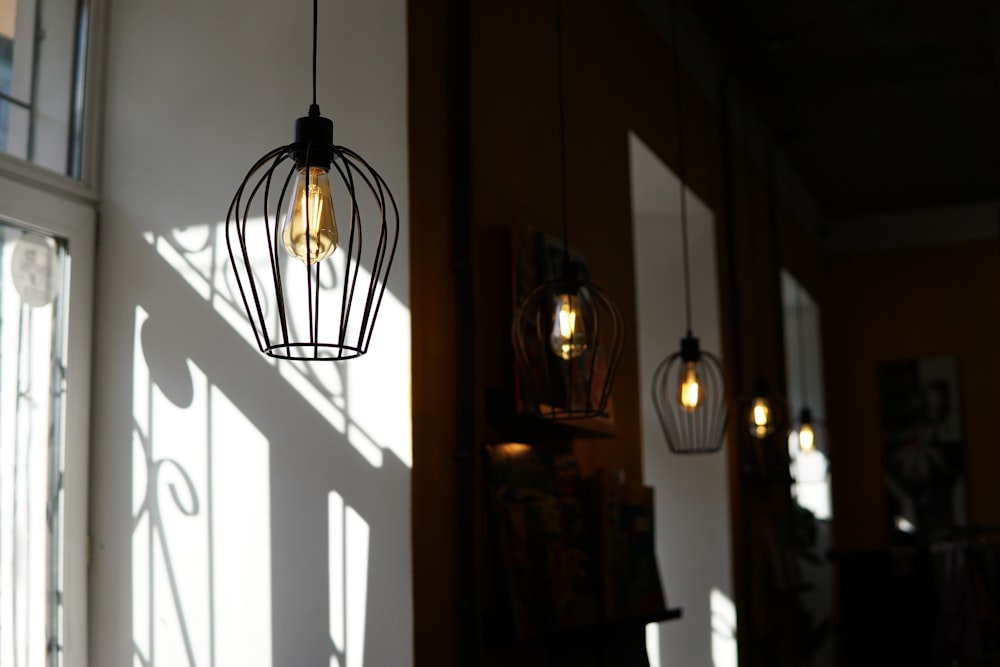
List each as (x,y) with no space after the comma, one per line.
(567,333)
(765,412)
(811,431)
(762,411)
(295,311)
(689,390)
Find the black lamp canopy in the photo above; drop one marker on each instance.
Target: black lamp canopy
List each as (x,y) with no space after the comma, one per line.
(567,333)
(295,310)
(689,386)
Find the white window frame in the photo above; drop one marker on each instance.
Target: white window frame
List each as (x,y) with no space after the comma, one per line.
(74,219)
(33,197)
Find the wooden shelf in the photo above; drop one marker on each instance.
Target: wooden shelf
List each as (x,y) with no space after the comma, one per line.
(517,427)
(611,627)
(604,629)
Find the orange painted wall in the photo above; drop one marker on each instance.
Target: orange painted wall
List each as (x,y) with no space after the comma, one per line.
(941,301)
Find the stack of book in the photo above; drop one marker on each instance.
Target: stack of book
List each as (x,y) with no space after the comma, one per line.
(575,552)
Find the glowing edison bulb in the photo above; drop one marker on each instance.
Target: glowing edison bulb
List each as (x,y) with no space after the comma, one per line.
(760,417)
(569,333)
(315,241)
(690,390)
(807,439)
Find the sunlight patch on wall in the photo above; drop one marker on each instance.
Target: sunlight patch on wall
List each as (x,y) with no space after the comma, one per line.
(811,488)
(653,644)
(241,536)
(201,547)
(724,652)
(353,397)
(692,509)
(379,387)
(349,536)
(804,374)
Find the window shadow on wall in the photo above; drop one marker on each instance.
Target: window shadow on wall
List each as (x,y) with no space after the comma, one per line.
(269,511)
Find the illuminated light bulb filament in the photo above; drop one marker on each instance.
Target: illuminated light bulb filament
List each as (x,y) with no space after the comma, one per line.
(807,439)
(760,417)
(568,338)
(690,390)
(310,232)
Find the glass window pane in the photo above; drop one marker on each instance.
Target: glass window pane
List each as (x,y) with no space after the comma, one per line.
(14,122)
(42,60)
(20,25)
(33,272)
(7,10)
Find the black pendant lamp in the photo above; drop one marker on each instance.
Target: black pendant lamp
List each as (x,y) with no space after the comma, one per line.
(296,310)
(810,429)
(567,333)
(689,390)
(764,411)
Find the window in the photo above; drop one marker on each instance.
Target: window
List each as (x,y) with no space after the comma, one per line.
(804,365)
(43,46)
(47,227)
(32,360)
(46,248)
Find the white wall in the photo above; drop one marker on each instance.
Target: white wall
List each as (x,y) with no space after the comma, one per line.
(691,491)
(811,472)
(244,512)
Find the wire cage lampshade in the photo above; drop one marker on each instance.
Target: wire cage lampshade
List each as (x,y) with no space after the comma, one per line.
(810,433)
(689,397)
(765,412)
(689,386)
(301,207)
(568,335)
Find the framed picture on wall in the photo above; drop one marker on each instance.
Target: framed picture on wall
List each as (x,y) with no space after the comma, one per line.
(923,449)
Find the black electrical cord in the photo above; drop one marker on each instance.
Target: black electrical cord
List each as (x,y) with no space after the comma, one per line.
(753,238)
(680,161)
(315,22)
(562,136)
(772,228)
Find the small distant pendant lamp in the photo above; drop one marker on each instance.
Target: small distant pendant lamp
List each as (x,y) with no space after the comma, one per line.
(765,412)
(567,332)
(296,311)
(689,390)
(811,431)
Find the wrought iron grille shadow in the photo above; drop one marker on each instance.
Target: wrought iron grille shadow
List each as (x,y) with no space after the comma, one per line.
(199,254)
(150,507)
(173,492)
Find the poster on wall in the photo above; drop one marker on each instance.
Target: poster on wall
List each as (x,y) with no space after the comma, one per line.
(922,446)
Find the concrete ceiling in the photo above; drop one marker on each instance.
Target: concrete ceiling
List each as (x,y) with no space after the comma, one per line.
(880,105)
